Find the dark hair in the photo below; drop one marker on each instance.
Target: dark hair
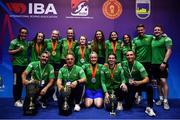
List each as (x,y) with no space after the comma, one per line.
(140,25)
(95,42)
(160,26)
(35,38)
(70,28)
(110,39)
(22,28)
(85,38)
(112,54)
(129,40)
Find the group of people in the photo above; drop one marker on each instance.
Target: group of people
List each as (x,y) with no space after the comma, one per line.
(93,72)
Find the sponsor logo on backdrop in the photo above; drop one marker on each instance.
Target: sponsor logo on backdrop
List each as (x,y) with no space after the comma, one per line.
(112,9)
(143,9)
(32,10)
(79,9)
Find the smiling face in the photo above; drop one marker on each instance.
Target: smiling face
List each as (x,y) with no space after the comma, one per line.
(111,59)
(126,39)
(44,58)
(93,58)
(70,60)
(23,34)
(114,36)
(140,31)
(82,40)
(130,56)
(70,34)
(40,37)
(157,31)
(98,35)
(55,35)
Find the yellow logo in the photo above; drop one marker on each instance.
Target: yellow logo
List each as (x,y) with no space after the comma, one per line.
(112,9)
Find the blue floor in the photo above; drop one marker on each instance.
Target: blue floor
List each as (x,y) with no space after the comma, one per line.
(8,111)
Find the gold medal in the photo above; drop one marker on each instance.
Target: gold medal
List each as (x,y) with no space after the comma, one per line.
(53,53)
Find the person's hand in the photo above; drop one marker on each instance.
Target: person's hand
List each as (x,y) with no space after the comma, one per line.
(106,99)
(162,66)
(136,83)
(123,87)
(73,84)
(43,91)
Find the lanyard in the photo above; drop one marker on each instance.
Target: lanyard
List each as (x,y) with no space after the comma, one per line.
(130,71)
(93,71)
(70,44)
(82,52)
(69,72)
(42,70)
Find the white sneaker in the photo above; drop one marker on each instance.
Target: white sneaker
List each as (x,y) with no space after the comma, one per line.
(77,108)
(55,97)
(150,111)
(166,105)
(138,100)
(159,102)
(18,103)
(119,106)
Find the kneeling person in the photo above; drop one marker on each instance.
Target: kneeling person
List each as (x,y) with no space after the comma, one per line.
(113,83)
(70,82)
(40,83)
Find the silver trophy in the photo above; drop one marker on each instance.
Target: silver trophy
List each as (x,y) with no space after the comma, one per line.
(113,103)
(66,93)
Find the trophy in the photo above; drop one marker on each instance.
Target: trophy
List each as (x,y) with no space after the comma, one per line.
(29,106)
(113,103)
(65,94)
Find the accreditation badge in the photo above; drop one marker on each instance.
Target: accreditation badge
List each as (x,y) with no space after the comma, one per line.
(93,80)
(42,82)
(53,53)
(82,60)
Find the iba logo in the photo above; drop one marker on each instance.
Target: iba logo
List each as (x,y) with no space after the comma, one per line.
(79,7)
(112,9)
(32,10)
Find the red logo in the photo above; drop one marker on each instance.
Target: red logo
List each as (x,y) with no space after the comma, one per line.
(17,7)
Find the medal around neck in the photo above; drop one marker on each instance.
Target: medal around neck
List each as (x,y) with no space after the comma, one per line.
(53,53)
(93,80)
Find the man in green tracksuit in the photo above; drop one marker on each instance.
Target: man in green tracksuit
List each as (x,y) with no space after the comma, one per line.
(138,79)
(142,47)
(42,73)
(71,76)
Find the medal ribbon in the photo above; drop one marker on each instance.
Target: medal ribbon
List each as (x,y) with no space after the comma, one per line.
(114,47)
(130,71)
(82,52)
(69,44)
(54,45)
(93,71)
(112,72)
(38,48)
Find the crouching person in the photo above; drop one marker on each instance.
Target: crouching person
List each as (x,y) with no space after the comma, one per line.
(39,87)
(70,82)
(114,85)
